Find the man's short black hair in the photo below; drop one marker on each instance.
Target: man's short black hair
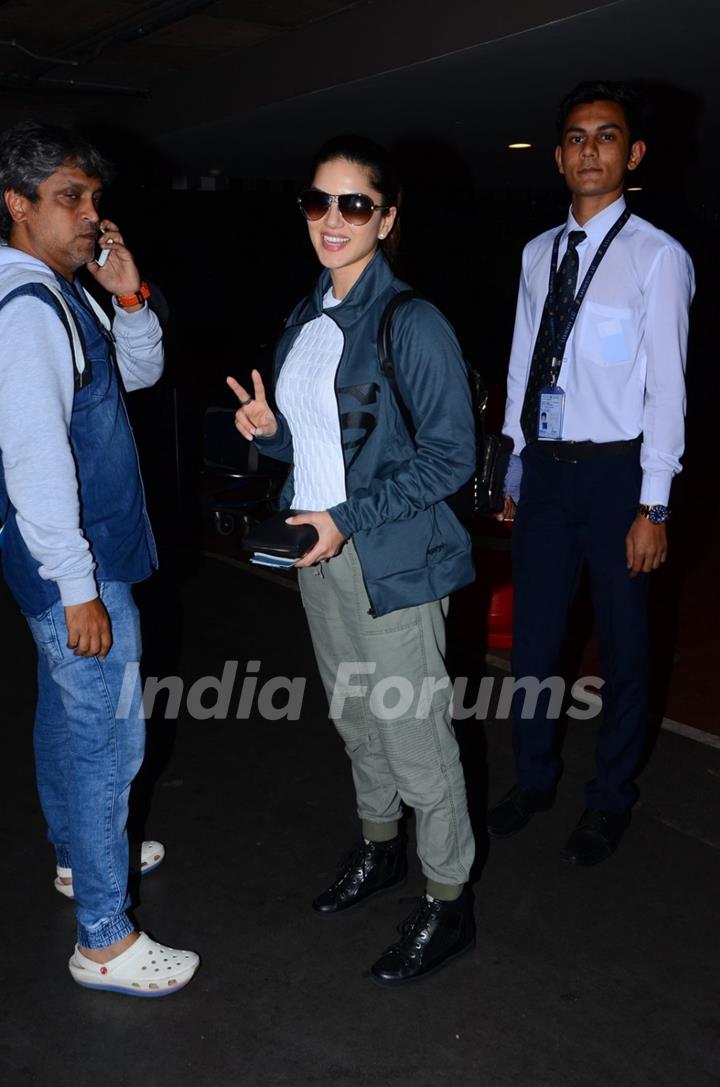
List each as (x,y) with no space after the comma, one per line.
(30,152)
(599,91)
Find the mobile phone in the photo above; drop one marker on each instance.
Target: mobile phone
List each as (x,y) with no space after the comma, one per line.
(102,254)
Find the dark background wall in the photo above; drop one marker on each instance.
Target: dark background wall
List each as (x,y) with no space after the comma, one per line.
(212,108)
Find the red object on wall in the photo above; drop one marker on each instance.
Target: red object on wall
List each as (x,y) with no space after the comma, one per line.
(483,611)
(499,633)
(491,549)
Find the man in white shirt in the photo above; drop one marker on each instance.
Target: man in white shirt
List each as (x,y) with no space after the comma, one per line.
(595,408)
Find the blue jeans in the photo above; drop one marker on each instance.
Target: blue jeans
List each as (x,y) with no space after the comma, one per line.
(86,760)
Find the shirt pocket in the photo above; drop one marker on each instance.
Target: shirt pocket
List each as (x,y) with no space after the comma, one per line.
(607,335)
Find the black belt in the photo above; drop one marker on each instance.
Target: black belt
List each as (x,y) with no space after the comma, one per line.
(572,452)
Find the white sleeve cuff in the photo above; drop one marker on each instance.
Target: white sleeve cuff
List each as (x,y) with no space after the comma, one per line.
(79,590)
(655,490)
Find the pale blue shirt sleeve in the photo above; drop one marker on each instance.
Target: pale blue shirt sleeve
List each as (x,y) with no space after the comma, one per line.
(513,477)
(669,290)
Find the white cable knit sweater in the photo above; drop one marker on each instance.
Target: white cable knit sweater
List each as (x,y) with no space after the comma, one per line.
(306,396)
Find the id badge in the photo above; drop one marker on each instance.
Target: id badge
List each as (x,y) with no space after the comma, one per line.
(550,415)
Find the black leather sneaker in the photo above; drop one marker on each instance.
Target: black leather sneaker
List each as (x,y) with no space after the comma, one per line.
(433,934)
(516,809)
(596,837)
(370,868)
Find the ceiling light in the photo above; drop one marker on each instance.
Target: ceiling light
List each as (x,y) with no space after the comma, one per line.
(519,146)
(635,188)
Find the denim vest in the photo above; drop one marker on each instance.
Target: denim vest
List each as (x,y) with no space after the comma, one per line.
(114,519)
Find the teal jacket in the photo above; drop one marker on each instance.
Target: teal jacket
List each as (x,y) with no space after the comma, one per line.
(411,547)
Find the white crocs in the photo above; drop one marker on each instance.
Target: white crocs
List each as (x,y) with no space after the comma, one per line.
(151,856)
(145,969)
(64,888)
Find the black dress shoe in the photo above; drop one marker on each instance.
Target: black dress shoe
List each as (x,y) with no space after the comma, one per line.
(596,836)
(516,809)
(434,933)
(370,868)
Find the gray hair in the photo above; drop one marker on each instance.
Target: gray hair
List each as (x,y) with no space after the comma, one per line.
(30,152)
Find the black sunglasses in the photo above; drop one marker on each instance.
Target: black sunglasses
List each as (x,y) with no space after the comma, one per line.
(356,208)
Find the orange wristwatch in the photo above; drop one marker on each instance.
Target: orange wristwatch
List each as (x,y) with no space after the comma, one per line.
(125,301)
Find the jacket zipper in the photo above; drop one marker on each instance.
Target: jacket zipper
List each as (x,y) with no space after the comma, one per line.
(371,611)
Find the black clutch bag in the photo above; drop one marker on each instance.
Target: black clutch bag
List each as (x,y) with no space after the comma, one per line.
(275,537)
(489,483)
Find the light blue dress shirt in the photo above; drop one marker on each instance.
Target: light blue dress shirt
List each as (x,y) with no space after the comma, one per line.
(623,370)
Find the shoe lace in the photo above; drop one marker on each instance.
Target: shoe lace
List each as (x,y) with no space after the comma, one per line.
(414,924)
(352,860)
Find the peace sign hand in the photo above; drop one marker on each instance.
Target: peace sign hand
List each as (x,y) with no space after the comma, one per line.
(253,418)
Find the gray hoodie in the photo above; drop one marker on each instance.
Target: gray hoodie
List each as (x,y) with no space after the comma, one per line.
(36,400)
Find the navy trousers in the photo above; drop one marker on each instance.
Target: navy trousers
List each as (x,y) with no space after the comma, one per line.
(568,513)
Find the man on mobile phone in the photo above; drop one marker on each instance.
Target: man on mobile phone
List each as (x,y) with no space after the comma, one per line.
(76,534)
(595,409)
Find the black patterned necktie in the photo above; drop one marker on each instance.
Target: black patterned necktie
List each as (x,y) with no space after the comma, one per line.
(541,365)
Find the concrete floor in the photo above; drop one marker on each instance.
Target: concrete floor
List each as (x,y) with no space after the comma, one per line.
(605,977)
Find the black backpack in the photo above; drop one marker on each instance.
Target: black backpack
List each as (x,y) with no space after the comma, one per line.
(483,492)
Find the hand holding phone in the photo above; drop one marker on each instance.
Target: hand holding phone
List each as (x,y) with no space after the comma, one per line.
(117,276)
(102,255)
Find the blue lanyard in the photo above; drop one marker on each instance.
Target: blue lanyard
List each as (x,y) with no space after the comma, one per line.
(559,344)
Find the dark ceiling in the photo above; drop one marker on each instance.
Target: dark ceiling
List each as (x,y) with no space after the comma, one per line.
(134,48)
(247,88)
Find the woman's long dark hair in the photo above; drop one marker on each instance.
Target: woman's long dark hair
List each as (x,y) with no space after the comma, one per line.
(382,174)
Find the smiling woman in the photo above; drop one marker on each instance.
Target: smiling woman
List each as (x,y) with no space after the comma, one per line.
(375,587)
(353,218)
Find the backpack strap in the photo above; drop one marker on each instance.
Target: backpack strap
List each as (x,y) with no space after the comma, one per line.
(82,372)
(387,364)
(478,388)
(53,297)
(481,494)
